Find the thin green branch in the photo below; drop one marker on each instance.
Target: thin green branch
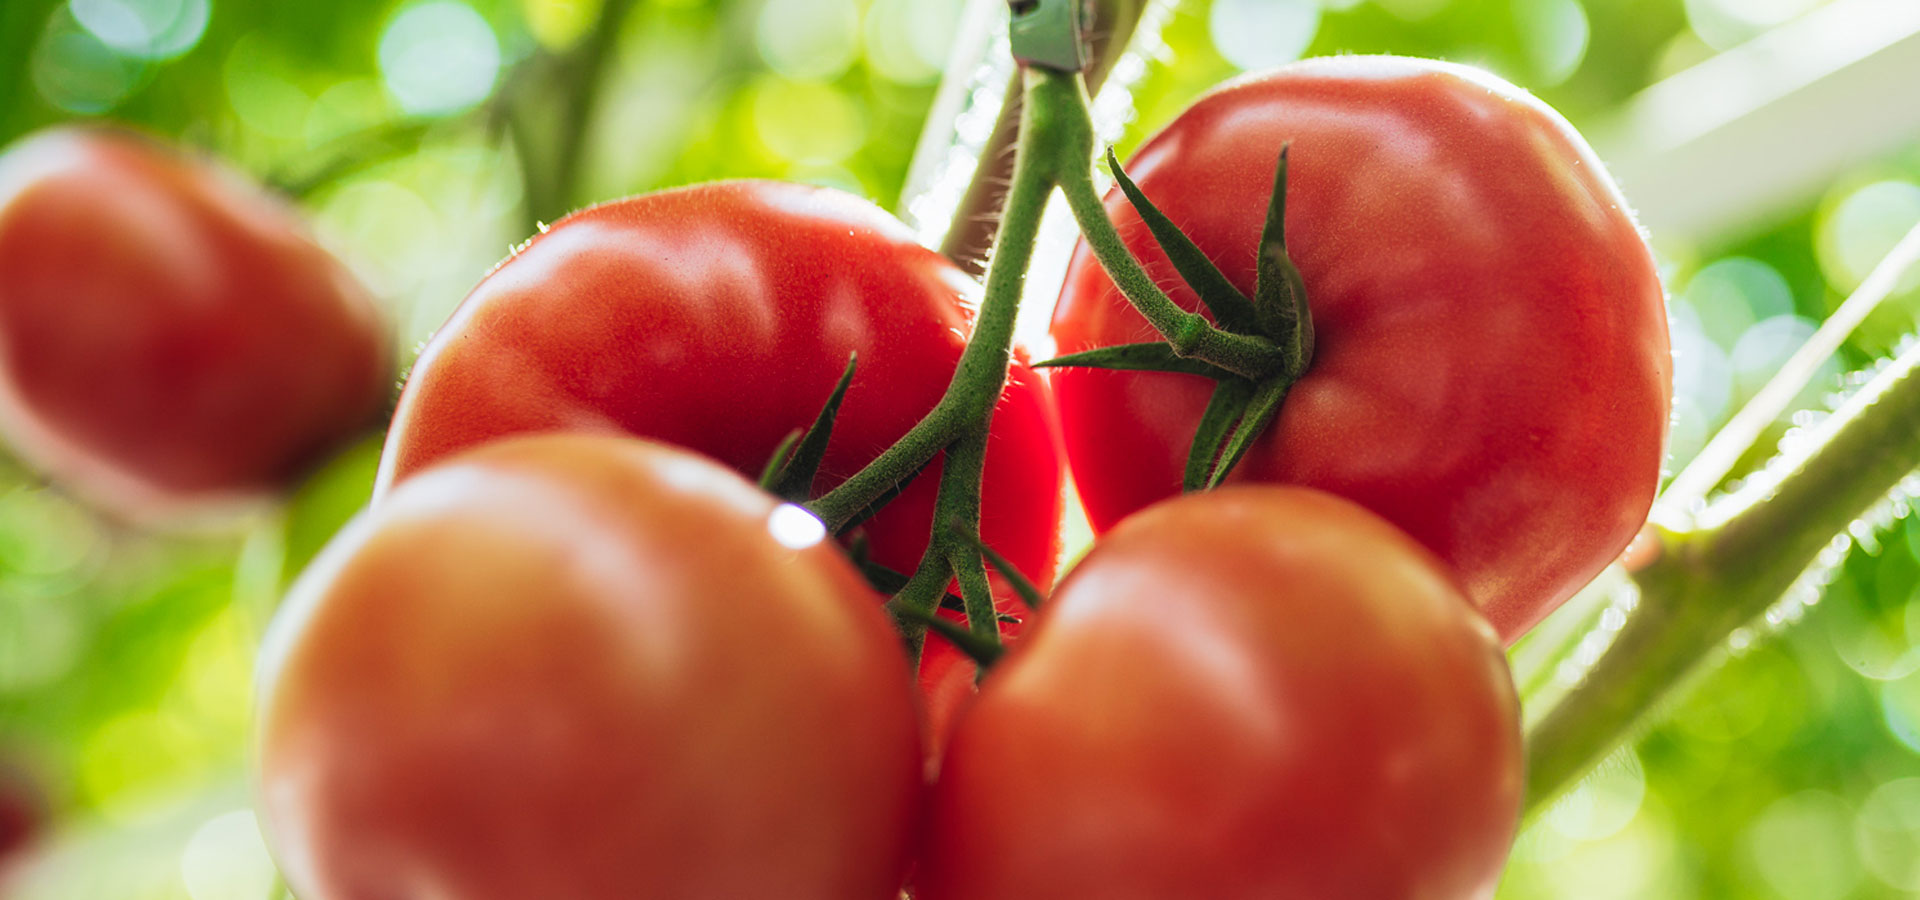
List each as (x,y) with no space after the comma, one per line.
(1743,554)
(1051,136)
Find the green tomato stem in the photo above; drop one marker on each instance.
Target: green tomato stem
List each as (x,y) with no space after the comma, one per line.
(1049,139)
(1189,333)
(1722,570)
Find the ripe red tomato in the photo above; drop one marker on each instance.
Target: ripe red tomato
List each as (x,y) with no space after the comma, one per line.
(23,814)
(1259,692)
(1491,371)
(169,335)
(718,317)
(586,667)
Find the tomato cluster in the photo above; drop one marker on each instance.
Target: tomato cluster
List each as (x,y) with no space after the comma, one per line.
(572,651)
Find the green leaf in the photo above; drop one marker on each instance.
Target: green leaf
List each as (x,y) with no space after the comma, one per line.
(1227,406)
(795,481)
(1261,410)
(1152,356)
(1028,594)
(1230,308)
(1280,296)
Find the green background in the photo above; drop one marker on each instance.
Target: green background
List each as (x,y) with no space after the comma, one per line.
(1792,768)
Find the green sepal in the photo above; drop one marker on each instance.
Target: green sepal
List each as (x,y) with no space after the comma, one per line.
(1280,296)
(1152,356)
(1227,406)
(983,651)
(1025,589)
(1231,309)
(770,473)
(1260,412)
(795,479)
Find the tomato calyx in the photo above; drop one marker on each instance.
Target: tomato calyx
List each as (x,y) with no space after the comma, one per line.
(1243,404)
(790,470)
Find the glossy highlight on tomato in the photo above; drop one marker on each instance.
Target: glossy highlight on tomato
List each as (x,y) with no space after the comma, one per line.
(1491,371)
(1257,692)
(169,334)
(586,667)
(718,318)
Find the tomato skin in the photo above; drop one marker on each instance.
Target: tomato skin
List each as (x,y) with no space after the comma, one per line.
(1261,692)
(718,318)
(584,667)
(170,336)
(1492,370)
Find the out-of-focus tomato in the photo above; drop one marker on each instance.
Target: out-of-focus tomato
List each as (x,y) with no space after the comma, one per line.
(1491,369)
(1259,692)
(586,667)
(169,334)
(718,317)
(22,813)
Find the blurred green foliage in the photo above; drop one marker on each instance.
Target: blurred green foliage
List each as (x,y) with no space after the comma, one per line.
(409,128)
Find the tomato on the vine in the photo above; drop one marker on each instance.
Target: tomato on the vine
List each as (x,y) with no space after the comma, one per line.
(719,317)
(1491,368)
(169,334)
(1257,692)
(586,667)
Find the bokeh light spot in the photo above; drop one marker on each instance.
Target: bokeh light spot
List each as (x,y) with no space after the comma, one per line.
(1724,23)
(559,24)
(1554,36)
(1765,347)
(262,88)
(808,39)
(1260,34)
(226,859)
(76,72)
(907,40)
(1800,847)
(1728,295)
(150,29)
(439,57)
(1887,832)
(1900,707)
(806,121)
(1862,228)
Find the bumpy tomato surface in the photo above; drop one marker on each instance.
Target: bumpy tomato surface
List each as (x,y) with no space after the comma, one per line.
(1262,692)
(1492,369)
(169,335)
(718,318)
(586,667)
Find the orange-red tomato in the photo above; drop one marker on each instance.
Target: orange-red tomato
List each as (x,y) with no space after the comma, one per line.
(586,667)
(718,317)
(1260,692)
(169,334)
(1491,370)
